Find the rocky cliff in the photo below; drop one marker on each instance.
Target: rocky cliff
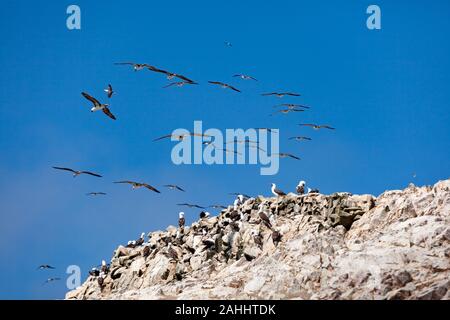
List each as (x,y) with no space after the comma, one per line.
(314,246)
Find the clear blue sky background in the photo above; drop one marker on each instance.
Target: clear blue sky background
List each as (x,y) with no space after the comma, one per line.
(386,92)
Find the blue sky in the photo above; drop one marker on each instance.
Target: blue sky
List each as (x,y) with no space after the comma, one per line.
(386,92)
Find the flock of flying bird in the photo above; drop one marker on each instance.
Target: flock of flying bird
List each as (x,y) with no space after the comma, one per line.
(180,80)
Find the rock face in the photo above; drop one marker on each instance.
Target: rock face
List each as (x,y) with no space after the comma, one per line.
(338,246)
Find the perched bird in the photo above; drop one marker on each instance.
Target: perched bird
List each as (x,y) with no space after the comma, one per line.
(137,185)
(109,91)
(190,205)
(77,172)
(204,214)
(276,237)
(136,66)
(287,155)
(171,253)
(141,240)
(173,187)
(51,280)
(45,266)
(286,111)
(292,106)
(181,220)
(313,190)
(316,126)
(277,192)
(146,251)
(224,85)
(99,106)
(179,84)
(244,77)
(300,138)
(257,238)
(96,194)
(105,267)
(300,187)
(264,218)
(94,272)
(181,137)
(131,244)
(281,94)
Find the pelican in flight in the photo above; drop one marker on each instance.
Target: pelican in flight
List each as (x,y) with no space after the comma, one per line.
(286,111)
(244,77)
(99,106)
(45,266)
(287,155)
(179,84)
(77,172)
(171,75)
(281,94)
(224,85)
(181,137)
(190,205)
(137,185)
(292,106)
(109,91)
(316,126)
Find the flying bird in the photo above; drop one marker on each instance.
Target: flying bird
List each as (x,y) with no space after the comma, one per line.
(137,185)
(224,85)
(277,192)
(291,106)
(287,155)
(228,43)
(190,205)
(174,187)
(316,126)
(179,84)
(77,172)
(51,280)
(217,206)
(99,106)
(286,111)
(45,266)
(281,94)
(171,75)
(109,91)
(300,138)
(136,66)
(180,137)
(244,77)
(96,194)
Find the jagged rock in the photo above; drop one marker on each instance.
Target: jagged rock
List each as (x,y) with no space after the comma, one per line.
(338,246)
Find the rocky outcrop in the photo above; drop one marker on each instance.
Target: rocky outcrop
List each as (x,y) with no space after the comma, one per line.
(338,246)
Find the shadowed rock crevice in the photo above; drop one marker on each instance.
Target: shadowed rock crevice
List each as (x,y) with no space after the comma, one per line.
(313,246)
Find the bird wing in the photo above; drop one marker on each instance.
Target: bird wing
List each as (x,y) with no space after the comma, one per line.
(184,78)
(268,94)
(217,82)
(291,94)
(91,173)
(307,124)
(233,88)
(125,63)
(292,156)
(327,127)
(108,113)
(171,84)
(110,91)
(66,169)
(91,99)
(163,137)
(125,181)
(237,75)
(151,188)
(253,78)
(279,192)
(179,188)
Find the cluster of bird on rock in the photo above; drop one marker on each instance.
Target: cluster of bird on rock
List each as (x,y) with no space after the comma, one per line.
(180,81)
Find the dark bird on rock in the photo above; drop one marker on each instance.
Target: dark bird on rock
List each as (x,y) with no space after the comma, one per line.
(204,214)
(45,266)
(316,126)
(109,91)
(77,172)
(94,272)
(171,253)
(264,219)
(190,205)
(105,267)
(257,238)
(224,85)
(244,77)
(137,185)
(301,187)
(281,94)
(146,251)
(276,237)
(99,106)
(174,187)
(141,240)
(181,220)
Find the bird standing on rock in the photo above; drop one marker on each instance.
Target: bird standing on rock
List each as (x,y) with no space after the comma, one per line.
(301,187)
(181,220)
